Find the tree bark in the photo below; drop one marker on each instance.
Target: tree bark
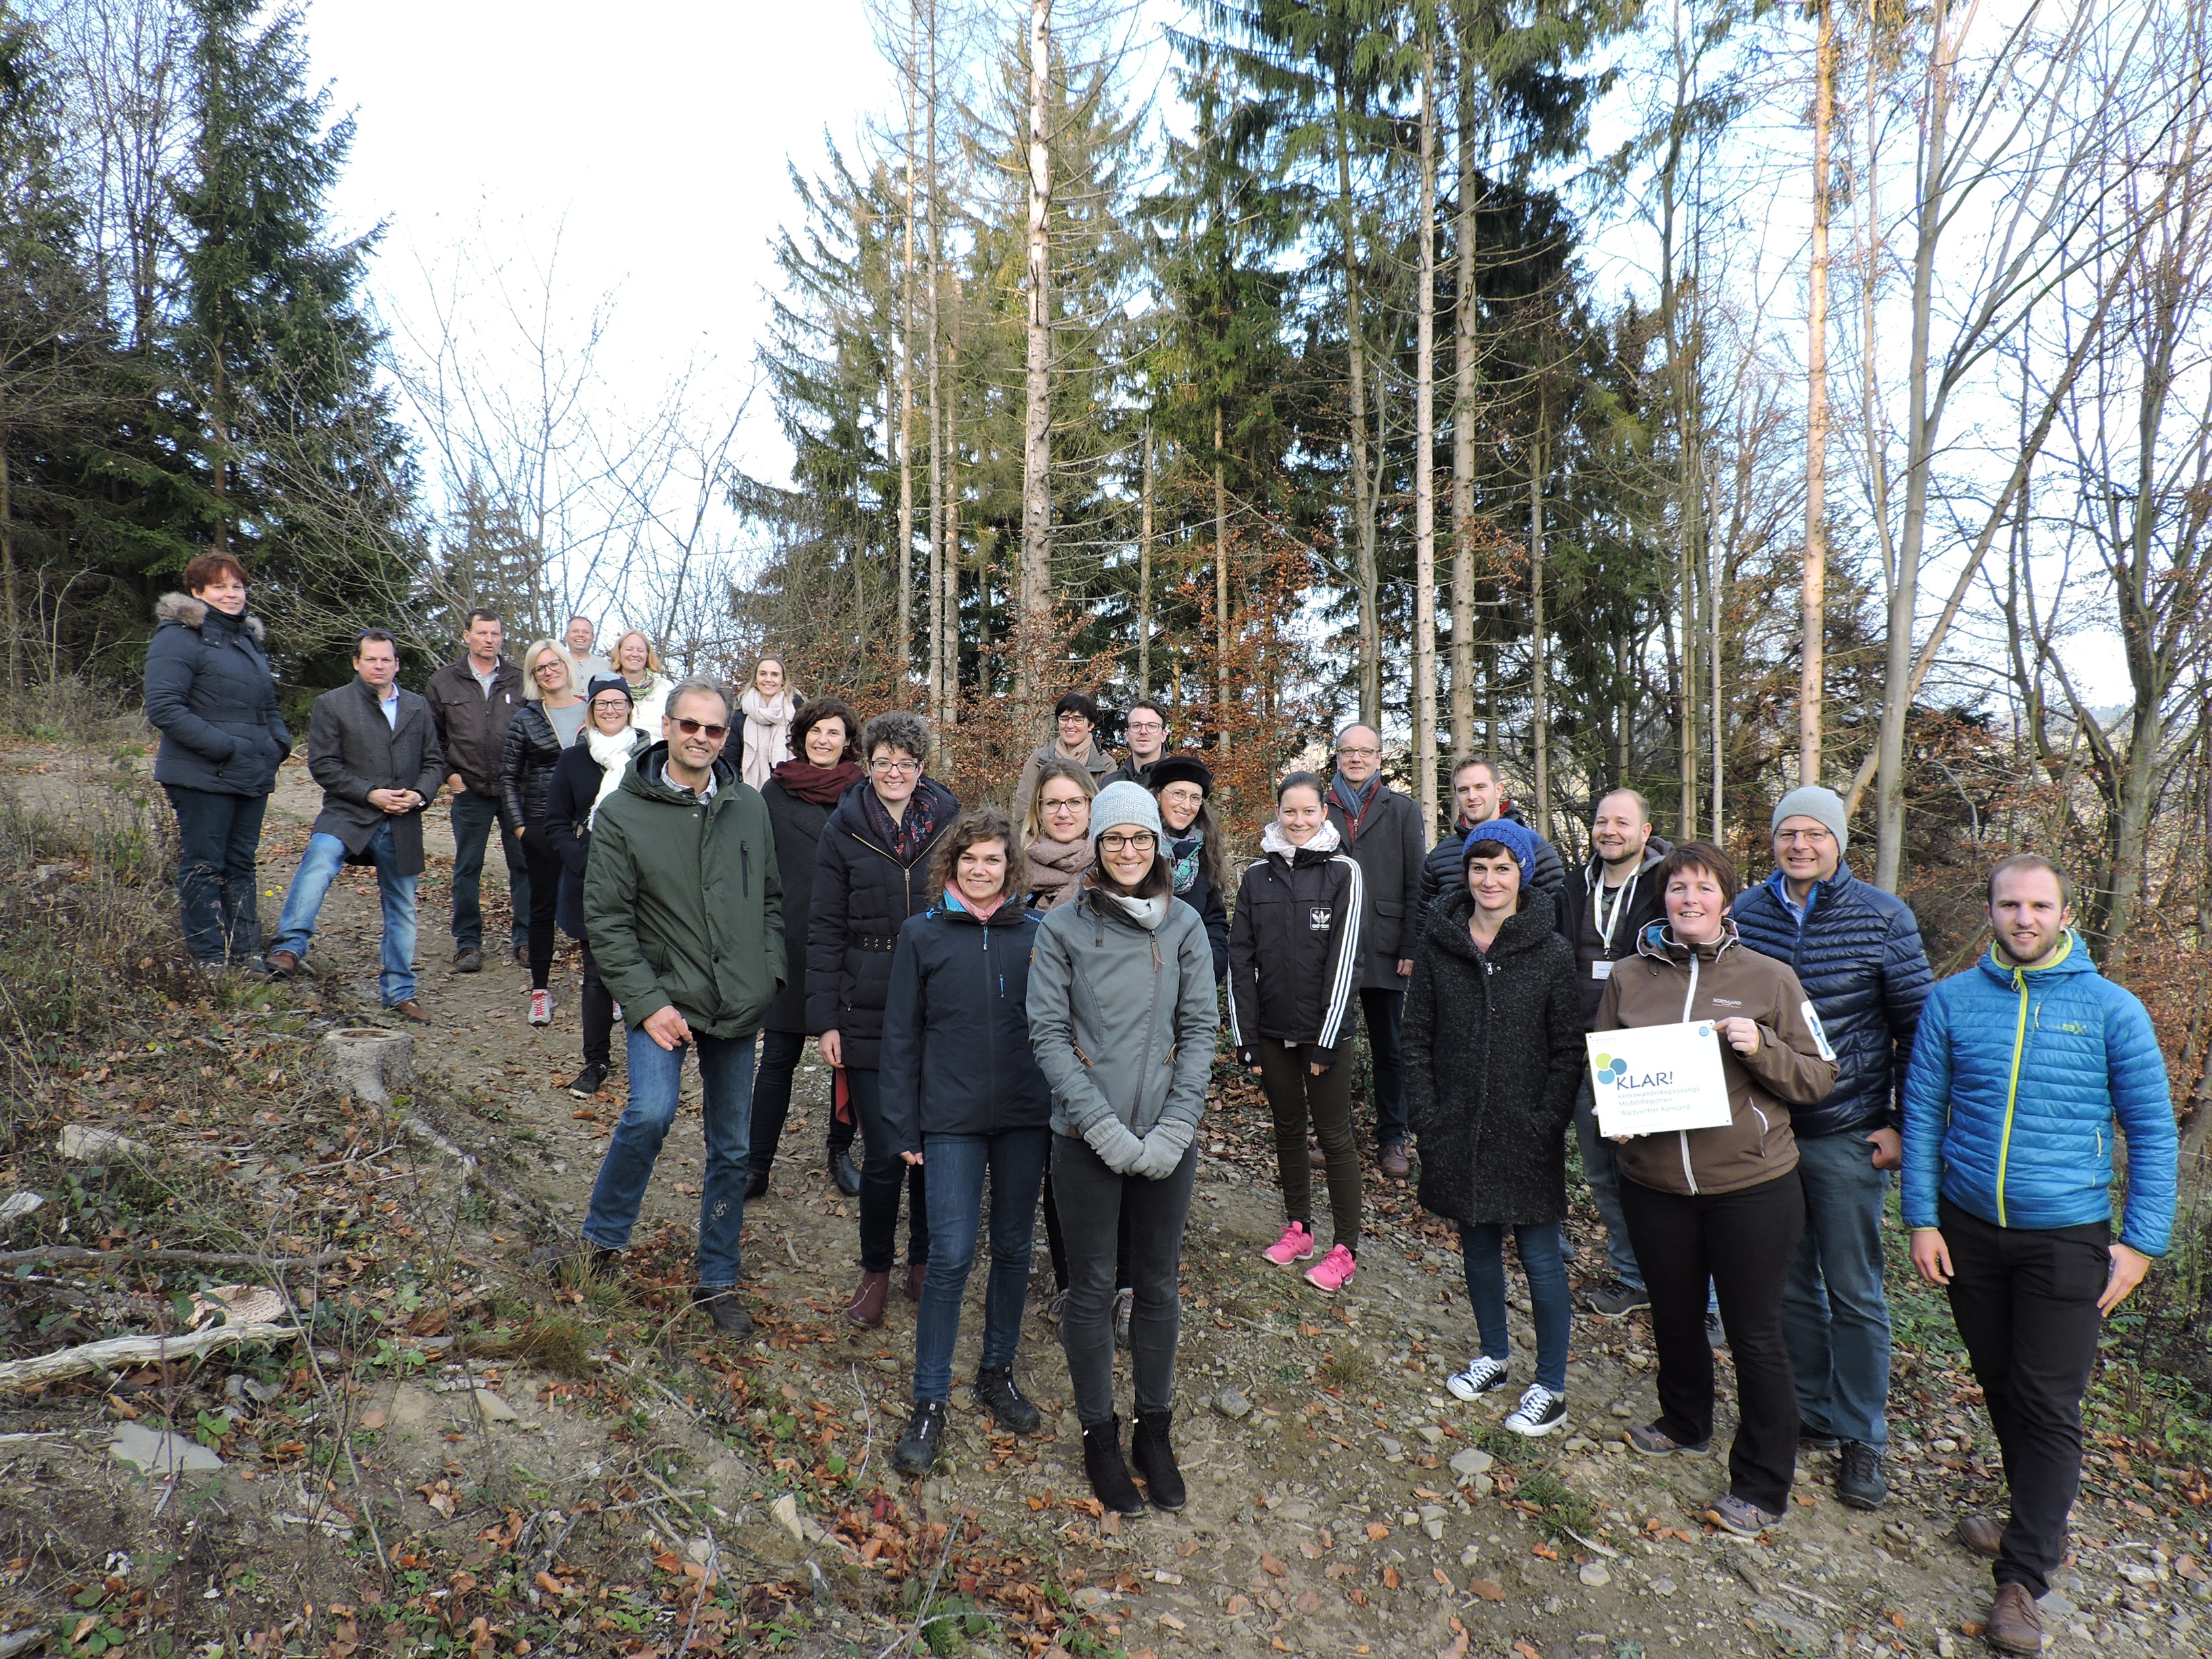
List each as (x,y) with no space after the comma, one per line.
(1811,665)
(1463,361)
(1145,570)
(1539,711)
(1221,697)
(937,505)
(906,367)
(1033,622)
(1425,470)
(1363,493)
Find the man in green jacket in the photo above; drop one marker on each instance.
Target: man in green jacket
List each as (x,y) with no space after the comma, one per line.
(683,907)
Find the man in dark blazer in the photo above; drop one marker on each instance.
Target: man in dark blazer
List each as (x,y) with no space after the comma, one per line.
(1383,833)
(374,749)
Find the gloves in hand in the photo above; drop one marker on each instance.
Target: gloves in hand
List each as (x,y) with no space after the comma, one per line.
(1163,1151)
(1117,1149)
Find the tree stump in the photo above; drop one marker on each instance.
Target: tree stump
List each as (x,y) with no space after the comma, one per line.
(370,1063)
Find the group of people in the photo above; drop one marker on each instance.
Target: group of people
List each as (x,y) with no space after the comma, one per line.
(1029,1003)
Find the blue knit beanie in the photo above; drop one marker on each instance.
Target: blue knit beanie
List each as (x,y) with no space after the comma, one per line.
(1514,838)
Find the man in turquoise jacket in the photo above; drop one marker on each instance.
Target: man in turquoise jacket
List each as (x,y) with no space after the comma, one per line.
(2022,1068)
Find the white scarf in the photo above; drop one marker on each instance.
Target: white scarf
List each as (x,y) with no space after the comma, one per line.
(1272,839)
(1146,913)
(767,733)
(613,754)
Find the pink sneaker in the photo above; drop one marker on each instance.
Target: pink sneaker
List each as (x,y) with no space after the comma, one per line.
(1295,1244)
(1334,1271)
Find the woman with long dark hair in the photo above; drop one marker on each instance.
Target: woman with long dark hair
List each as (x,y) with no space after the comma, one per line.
(1183,786)
(1129,1061)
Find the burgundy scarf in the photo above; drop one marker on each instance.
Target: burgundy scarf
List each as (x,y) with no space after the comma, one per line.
(822,786)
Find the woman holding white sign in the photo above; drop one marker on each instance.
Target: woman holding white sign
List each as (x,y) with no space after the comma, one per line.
(1493,1062)
(1719,1204)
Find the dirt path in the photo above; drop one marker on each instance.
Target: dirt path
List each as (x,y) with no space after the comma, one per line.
(1341,1502)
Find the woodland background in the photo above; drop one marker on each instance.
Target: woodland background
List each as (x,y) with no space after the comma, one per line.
(1697,394)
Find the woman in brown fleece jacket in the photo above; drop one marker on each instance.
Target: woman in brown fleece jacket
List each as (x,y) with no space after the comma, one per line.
(1722,1206)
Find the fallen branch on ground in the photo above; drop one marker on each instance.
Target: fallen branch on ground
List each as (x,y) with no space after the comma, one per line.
(118,1353)
(65,1254)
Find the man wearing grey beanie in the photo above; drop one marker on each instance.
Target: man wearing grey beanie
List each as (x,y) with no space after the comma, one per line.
(1856,951)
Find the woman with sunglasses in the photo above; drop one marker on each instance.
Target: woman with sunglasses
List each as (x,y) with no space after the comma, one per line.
(1128,1060)
(872,873)
(551,718)
(588,773)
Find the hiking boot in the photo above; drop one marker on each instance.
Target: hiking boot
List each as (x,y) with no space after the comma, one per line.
(917,1448)
(995,1393)
(1482,1375)
(1394,1162)
(1540,1411)
(844,1171)
(755,1185)
(866,1307)
(1154,1458)
(1109,1475)
(1743,1518)
(1859,1483)
(1618,1302)
(589,1081)
(722,1306)
(1982,1534)
(1655,1442)
(469,961)
(410,1010)
(1816,1440)
(2015,1622)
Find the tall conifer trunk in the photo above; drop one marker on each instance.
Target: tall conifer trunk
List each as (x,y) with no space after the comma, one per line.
(1034,625)
(1425,465)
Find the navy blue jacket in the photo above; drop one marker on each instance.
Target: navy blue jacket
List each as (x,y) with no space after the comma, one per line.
(956,1045)
(1859,957)
(210,695)
(1444,871)
(2016,1083)
(862,897)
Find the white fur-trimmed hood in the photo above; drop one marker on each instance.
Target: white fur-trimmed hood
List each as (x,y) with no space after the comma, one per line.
(186,611)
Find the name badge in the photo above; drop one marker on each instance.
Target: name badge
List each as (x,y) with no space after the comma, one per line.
(1601,969)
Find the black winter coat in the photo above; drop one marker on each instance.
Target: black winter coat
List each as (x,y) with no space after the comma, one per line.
(210,695)
(1295,949)
(798,825)
(955,1044)
(1388,847)
(1860,960)
(1444,868)
(862,897)
(1493,1061)
(526,767)
(569,798)
(1206,898)
(1645,903)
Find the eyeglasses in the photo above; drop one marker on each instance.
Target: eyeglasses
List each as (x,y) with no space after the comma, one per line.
(905,768)
(1808,837)
(1057,807)
(1359,754)
(693,728)
(1143,842)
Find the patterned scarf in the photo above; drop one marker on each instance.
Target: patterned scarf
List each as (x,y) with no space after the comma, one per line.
(911,831)
(1355,800)
(1182,852)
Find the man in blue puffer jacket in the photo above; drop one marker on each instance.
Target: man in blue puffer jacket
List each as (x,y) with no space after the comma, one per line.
(2023,1065)
(1856,951)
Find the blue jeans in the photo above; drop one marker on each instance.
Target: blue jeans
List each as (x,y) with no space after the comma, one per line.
(474,815)
(656,1074)
(303,903)
(1482,1246)
(1014,1159)
(1601,1172)
(218,836)
(1834,1316)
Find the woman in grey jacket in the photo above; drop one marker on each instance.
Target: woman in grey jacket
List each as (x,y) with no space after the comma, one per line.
(1127,1060)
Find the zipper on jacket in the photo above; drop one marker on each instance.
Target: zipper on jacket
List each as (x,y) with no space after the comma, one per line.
(2012,1092)
(1683,1135)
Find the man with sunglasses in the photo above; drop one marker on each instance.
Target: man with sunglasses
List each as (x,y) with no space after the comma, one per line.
(682,872)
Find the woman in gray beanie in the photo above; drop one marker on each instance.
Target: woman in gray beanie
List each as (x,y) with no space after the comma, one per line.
(1128,1064)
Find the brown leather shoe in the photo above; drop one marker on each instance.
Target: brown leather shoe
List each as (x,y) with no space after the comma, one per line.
(866,1307)
(915,1273)
(1315,1155)
(409,1009)
(469,961)
(282,964)
(2015,1622)
(1395,1164)
(1981,1535)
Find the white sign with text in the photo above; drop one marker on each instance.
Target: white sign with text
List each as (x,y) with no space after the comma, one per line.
(1652,1079)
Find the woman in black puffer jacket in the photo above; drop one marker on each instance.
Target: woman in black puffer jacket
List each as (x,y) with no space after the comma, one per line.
(1493,1060)
(590,770)
(871,873)
(210,695)
(551,718)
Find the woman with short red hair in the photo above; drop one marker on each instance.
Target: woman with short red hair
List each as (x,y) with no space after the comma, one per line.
(210,695)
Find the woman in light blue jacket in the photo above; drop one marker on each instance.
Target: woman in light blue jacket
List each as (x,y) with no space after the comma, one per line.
(1122,1020)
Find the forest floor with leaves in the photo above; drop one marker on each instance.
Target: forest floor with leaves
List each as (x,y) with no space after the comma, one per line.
(445,1451)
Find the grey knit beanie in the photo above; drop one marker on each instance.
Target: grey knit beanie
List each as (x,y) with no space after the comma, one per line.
(1824,807)
(1126,804)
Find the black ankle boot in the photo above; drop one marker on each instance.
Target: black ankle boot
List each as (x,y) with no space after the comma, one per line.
(1155,1460)
(996,1393)
(1109,1477)
(917,1452)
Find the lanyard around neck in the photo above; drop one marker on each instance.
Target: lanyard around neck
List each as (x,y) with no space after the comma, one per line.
(1600,920)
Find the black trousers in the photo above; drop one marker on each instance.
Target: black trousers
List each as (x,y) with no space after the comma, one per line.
(1384,1012)
(1294,1094)
(599,1015)
(1741,1243)
(778,1066)
(544,866)
(1092,1201)
(2025,1305)
(1055,1239)
(883,1175)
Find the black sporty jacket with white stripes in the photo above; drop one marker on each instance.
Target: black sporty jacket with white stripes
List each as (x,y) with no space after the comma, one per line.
(1294,945)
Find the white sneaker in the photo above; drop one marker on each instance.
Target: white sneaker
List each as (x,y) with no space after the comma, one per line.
(541,1007)
(1482,1375)
(1540,1411)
